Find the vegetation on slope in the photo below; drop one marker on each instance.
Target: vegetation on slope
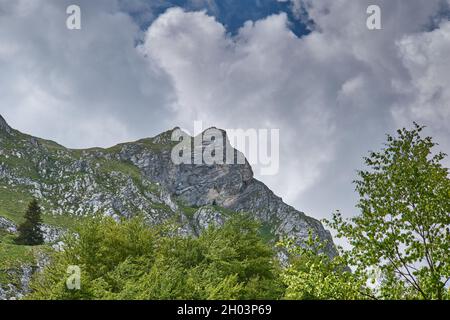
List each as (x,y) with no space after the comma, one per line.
(128,260)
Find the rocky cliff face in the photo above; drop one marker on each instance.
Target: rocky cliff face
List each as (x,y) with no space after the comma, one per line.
(138,178)
(4,126)
(230,186)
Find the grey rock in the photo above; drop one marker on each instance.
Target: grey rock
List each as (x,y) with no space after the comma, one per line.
(4,126)
(24,273)
(205,217)
(231,186)
(7,225)
(52,234)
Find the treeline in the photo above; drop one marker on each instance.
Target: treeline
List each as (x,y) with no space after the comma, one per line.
(129,260)
(399,246)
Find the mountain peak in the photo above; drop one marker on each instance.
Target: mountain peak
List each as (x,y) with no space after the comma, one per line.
(143,178)
(4,125)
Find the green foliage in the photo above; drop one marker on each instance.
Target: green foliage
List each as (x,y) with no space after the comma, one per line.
(312,274)
(30,232)
(403,229)
(129,260)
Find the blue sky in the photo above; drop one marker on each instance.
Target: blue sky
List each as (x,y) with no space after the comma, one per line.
(231,13)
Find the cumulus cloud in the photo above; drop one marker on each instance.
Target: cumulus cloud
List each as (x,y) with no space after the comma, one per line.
(255,80)
(333,93)
(83,88)
(426,58)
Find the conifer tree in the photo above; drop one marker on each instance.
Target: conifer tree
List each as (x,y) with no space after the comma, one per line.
(30,232)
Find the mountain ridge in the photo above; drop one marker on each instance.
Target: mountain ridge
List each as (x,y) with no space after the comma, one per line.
(138,178)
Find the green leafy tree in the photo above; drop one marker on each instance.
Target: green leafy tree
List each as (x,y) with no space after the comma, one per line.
(237,250)
(403,228)
(30,232)
(311,274)
(130,260)
(109,254)
(227,262)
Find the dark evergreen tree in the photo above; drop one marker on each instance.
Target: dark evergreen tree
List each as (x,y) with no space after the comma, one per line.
(30,232)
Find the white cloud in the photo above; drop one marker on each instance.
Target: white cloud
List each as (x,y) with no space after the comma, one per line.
(256,80)
(82,88)
(333,93)
(426,57)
